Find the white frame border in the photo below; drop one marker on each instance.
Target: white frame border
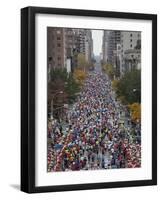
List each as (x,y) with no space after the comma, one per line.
(42,178)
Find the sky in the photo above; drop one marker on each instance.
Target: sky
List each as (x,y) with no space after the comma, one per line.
(97,41)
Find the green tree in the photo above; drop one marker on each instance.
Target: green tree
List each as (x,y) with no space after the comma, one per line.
(62,86)
(72,88)
(58,73)
(129,87)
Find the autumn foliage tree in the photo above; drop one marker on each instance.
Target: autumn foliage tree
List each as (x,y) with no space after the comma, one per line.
(135,110)
(79,76)
(115,84)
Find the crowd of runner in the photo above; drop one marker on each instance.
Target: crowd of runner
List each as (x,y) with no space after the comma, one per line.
(96,133)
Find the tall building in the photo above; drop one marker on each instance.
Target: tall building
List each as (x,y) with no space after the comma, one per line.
(55,48)
(64,45)
(130,51)
(71,46)
(122,49)
(85,43)
(110,41)
(88,45)
(113,40)
(105,46)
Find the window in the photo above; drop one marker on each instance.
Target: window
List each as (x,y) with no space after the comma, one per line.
(58,32)
(50,58)
(131,40)
(59,58)
(58,38)
(131,35)
(131,45)
(58,45)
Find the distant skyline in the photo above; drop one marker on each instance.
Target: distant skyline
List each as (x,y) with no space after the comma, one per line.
(97,41)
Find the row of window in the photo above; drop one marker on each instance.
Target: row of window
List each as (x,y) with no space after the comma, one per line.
(129,40)
(50,58)
(53,37)
(131,35)
(58,45)
(130,46)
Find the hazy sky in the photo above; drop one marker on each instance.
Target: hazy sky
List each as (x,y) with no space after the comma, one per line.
(97,41)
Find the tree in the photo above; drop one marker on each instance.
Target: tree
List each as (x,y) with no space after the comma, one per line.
(130,87)
(59,73)
(72,88)
(79,76)
(54,88)
(135,110)
(115,84)
(62,86)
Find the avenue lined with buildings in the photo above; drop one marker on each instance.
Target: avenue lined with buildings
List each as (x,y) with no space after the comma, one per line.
(94,99)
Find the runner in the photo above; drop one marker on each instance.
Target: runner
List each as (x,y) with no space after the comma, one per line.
(97,135)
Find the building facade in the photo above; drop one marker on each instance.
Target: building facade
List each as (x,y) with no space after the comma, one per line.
(105,46)
(55,48)
(122,49)
(130,51)
(64,44)
(88,45)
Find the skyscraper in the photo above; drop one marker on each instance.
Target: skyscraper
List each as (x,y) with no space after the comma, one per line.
(65,44)
(122,49)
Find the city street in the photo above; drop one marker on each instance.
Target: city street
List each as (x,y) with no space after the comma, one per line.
(96,133)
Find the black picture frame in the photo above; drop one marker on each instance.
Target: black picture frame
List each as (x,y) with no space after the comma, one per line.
(28,98)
